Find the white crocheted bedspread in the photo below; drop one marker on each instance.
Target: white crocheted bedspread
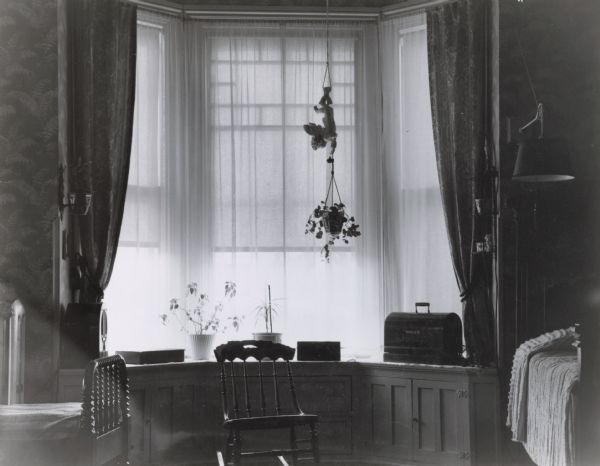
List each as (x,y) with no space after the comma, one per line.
(45,421)
(550,418)
(541,403)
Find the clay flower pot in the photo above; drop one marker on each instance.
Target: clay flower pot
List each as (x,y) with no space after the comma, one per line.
(267,336)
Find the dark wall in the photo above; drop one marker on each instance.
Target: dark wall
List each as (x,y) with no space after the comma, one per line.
(557,225)
(28,160)
(550,233)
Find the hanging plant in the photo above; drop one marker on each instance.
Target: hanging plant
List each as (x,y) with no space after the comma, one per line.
(333,223)
(329,219)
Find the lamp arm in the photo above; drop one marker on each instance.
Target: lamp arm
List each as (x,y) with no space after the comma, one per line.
(539,116)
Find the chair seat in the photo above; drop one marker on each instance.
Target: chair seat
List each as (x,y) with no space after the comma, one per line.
(271,422)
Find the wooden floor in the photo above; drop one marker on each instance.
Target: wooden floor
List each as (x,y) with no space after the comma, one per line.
(274,463)
(268,463)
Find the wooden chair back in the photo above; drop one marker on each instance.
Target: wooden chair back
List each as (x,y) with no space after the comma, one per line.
(258,390)
(105,409)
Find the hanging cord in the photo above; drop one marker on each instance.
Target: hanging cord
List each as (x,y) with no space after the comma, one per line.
(327,74)
(326,78)
(520,28)
(332,184)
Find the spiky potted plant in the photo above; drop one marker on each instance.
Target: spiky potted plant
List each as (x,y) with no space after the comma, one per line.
(265,313)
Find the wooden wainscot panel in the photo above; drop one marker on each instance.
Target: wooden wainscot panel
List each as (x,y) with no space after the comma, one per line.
(374,413)
(139,440)
(486,420)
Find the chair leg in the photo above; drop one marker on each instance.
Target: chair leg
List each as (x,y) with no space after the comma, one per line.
(281,461)
(314,442)
(237,447)
(229,448)
(293,445)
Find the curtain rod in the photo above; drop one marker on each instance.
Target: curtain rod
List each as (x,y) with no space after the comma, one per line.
(369,14)
(412,6)
(159,6)
(243,12)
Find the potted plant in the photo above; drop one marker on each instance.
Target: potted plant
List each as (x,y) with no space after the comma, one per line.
(265,312)
(334,223)
(199,320)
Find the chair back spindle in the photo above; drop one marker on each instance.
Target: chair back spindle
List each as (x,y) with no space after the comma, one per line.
(224,390)
(292,388)
(234,400)
(248,407)
(263,402)
(276,388)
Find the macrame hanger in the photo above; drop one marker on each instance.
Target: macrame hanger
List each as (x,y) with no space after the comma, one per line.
(332,184)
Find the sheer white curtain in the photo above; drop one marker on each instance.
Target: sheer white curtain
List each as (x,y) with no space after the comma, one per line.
(232,177)
(261,82)
(131,295)
(152,259)
(417,259)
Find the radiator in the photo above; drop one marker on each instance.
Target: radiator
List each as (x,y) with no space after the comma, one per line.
(12,354)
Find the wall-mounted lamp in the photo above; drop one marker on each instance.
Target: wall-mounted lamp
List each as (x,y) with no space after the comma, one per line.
(79,202)
(542,159)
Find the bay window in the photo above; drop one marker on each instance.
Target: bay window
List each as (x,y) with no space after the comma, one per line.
(223,179)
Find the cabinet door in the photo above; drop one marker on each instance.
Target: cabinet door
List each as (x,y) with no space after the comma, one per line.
(389,417)
(440,422)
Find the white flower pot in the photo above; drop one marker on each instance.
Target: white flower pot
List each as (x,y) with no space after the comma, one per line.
(267,336)
(202,346)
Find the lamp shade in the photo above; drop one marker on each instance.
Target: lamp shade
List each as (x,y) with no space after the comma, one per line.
(543,159)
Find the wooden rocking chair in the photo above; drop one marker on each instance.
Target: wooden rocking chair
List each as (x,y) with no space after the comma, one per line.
(243,385)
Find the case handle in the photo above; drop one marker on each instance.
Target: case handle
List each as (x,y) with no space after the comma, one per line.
(422,304)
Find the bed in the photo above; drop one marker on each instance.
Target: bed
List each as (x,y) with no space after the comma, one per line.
(92,433)
(543,397)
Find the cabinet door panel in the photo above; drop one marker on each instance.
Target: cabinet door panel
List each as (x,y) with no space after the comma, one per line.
(380,432)
(401,415)
(426,420)
(390,418)
(448,421)
(442,420)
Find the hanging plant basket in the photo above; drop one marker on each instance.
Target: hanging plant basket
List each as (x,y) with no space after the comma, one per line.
(333,223)
(334,219)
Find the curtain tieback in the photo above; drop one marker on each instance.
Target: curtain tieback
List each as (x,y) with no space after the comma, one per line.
(468,291)
(466,294)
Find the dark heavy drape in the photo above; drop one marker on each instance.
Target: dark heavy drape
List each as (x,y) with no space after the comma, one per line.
(456,49)
(102,37)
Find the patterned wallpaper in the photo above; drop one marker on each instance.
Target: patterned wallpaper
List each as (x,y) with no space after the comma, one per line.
(28,168)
